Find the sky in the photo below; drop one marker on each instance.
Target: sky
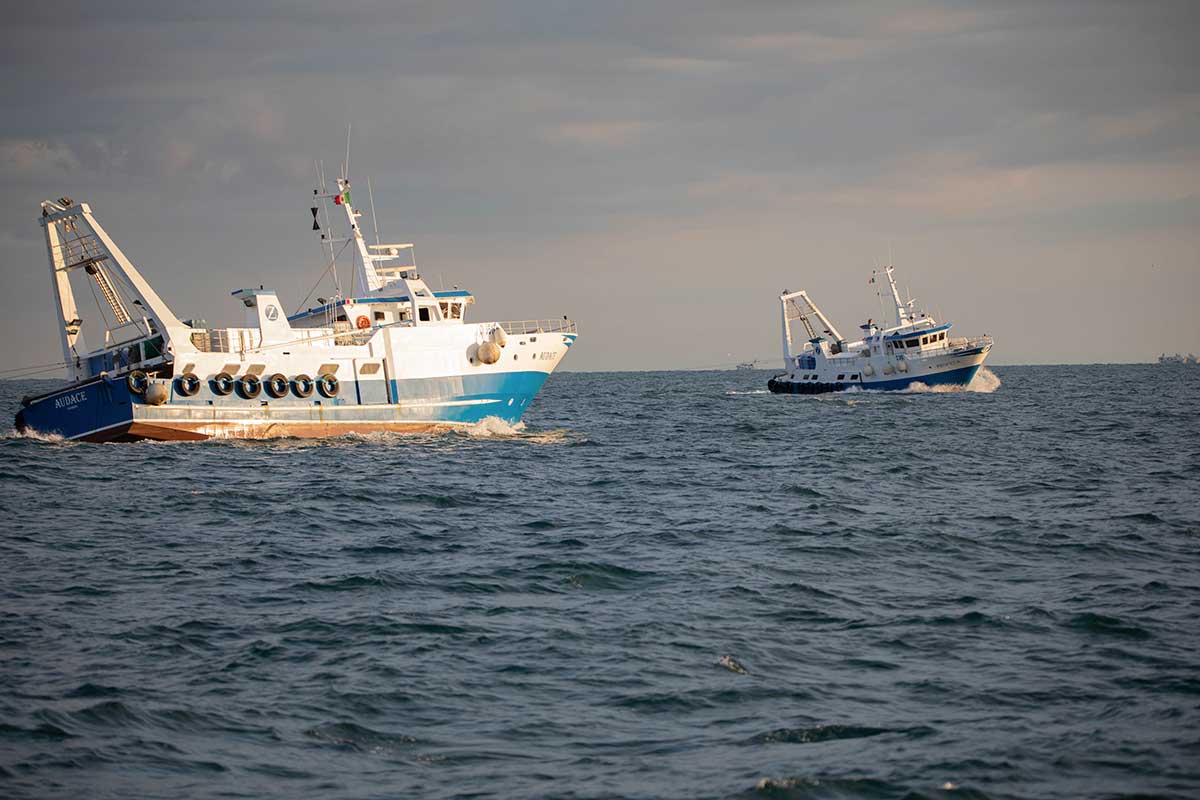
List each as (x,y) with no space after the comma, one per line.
(657,171)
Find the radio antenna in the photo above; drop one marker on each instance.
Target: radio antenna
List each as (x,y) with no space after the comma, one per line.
(374,221)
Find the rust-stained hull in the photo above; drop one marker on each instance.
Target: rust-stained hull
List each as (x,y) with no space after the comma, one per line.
(105,410)
(193,431)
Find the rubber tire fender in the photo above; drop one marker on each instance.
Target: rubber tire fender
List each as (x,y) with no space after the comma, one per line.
(249,386)
(137,381)
(222,384)
(327,385)
(276,385)
(187,384)
(302,385)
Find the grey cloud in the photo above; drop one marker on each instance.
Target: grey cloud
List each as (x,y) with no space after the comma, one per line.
(542,121)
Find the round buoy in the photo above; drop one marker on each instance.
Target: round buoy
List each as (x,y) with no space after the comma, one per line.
(499,337)
(902,366)
(137,381)
(327,385)
(156,394)
(277,385)
(868,370)
(488,352)
(362,322)
(302,385)
(187,384)
(249,386)
(222,384)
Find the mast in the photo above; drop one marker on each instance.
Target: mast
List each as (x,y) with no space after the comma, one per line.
(903,312)
(378,269)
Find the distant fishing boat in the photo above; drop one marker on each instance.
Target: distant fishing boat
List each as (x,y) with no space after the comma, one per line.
(393,355)
(747,365)
(1177,359)
(916,349)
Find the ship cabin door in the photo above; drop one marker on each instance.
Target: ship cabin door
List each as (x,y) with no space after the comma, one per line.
(370,379)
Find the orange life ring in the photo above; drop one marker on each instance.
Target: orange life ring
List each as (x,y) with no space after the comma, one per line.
(362,322)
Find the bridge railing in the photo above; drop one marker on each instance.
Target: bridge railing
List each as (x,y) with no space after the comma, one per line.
(524,326)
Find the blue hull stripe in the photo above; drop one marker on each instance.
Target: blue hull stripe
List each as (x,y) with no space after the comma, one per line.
(954,377)
(461,399)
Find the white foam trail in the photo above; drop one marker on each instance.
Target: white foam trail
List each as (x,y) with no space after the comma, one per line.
(732,392)
(30,433)
(984,382)
(731,664)
(494,427)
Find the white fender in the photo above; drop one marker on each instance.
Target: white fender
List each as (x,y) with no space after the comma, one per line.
(488,353)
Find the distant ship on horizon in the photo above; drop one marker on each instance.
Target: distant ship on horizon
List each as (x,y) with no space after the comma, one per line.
(1190,358)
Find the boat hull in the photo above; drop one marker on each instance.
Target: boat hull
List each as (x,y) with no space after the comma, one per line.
(961,376)
(105,410)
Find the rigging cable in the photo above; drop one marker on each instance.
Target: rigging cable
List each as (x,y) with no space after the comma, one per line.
(321,277)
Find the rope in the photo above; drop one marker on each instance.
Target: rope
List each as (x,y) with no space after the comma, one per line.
(55,365)
(34,372)
(321,277)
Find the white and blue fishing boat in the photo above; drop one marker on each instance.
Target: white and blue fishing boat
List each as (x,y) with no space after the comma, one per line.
(390,355)
(917,349)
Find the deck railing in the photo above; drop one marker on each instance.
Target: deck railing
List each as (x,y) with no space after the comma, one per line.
(242,340)
(524,326)
(970,341)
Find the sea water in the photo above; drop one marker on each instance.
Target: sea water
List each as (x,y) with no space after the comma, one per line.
(662,585)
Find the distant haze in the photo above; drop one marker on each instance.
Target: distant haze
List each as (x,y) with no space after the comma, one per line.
(657,171)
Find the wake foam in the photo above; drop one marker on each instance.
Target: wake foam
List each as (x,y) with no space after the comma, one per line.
(494,427)
(984,382)
(499,429)
(30,433)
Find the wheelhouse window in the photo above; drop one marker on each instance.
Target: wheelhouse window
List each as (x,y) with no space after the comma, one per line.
(380,316)
(423,312)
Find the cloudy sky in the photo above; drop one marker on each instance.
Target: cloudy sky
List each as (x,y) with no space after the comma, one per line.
(659,171)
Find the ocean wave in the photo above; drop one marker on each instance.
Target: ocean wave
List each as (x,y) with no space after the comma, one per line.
(359,737)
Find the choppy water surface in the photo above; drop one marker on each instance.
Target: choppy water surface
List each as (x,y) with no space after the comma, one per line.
(667,585)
